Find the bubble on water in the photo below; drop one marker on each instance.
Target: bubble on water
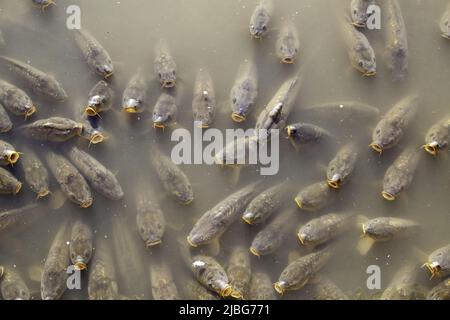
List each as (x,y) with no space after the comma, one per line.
(68,242)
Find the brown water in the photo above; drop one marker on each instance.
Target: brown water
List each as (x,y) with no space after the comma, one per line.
(214,34)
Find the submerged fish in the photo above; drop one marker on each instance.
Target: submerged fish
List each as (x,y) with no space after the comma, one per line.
(13,217)
(44,4)
(96,56)
(342,166)
(13,287)
(324,228)
(297,274)
(393,125)
(99,99)
(399,176)
(8,183)
(359,10)
(322,288)
(54,276)
(354,111)
(261,287)
(244,91)
(314,197)
(440,291)
(163,285)
(287,45)
(266,203)
(438,262)
(164,65)
(16,100)
(260,19)
(40,82)
(396,40)
(389,228)
(102,284)
(403,285)
(360,52)
(150,219)
(204,101)
(193,290)
(444,23)
(165,111)
(70,180)
(35,174)
(101,179)
(214,222)
(438,137)
(135,94)
(81,245)
(8,154)
(211,275)
(302,134)
(54,129)
(5,122)
(239,272)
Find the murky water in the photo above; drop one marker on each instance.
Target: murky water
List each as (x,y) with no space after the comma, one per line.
(214,35)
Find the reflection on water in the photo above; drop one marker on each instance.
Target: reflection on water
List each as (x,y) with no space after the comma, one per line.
(214,35)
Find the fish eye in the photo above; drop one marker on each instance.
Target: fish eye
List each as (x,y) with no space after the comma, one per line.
(234,100)
(264,28)
(360,64)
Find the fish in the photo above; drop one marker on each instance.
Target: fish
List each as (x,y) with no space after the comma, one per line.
(44,4)
(438,262)
(8,183)
(54,276)
(211,275)
(438,137)
(135,94)
(404,284)
(8,154)
(287,45)
(164,65)
(341,167)
(94,133)
(97,58)
(444,23)
(244,92)
(360,51)
(35,174)
(100,178)
(165,111)
(298,273)
(14,217)
(15,100)
(342,111)
(399,176)
(314,197)
(302,134)
(193,290)
(204,99)
(81,244)
(271,237)
(53,129)
(174,180)
(324,228)
(440,292)
(150,218)
(260,19)
(266,203)
(359,10)
(235,152)
(41,83)
(13,287)
(396,40)
(389,228)
(321,287)
(214,222)
(5,122)
(163,285)
(261,287)
(70,180)
(239,272)
(391,128)
(102,284)
(99,99)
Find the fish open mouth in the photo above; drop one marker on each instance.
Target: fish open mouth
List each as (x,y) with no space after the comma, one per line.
(30,112)
(80,265)
(169,84)
(203,126)
(159,125)
(12,157)
(388,196)
(91,111)
(433,267)
(364,231)
(333,183)
(254,251)
(287,60)
(279,287)
(376,147)
(237,294)
(290,131)
(130,109)
(187,202)
(299,203)
(152,243)
(301,238)
(109,75)
(370,73)
(191,243)
(86,204)
(431,148)
(97,138)
(247,217)
(358,24)
(18,188)
(43,194)
(237,117)
(226,291)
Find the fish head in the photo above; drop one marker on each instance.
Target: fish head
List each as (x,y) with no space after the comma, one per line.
(432,148)
(160,120)
(259,24)
(248,217)
(359,17)
(367,65)
(105,69)
(168,78)
(333,179)
(287,52)
(132,106)
(384,137)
